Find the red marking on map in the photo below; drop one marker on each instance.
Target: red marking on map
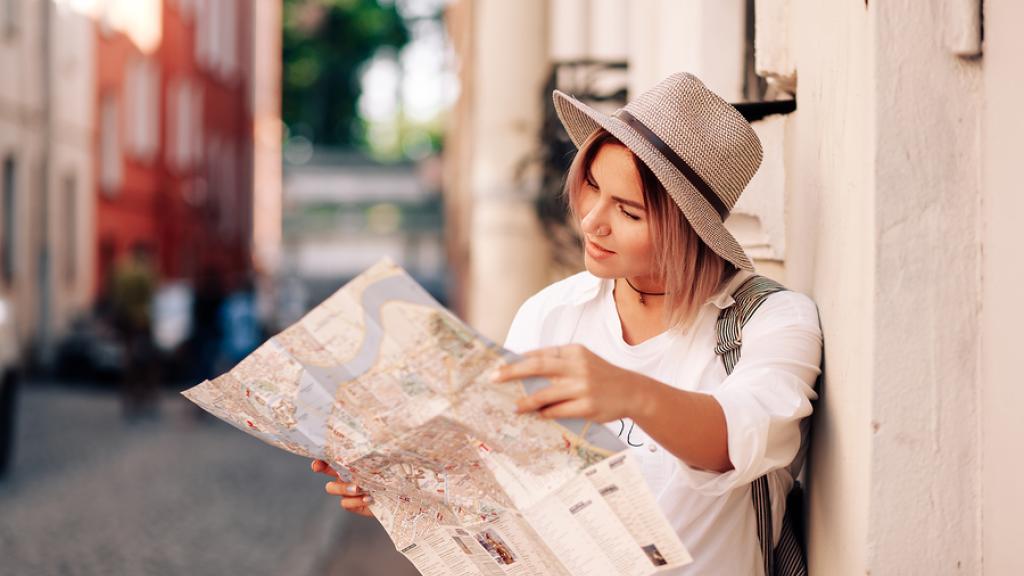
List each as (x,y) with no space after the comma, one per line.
(484,447)
(251,425)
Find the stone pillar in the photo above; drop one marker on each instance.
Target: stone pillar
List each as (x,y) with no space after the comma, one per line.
(703,38)
(266,103)
(509,256)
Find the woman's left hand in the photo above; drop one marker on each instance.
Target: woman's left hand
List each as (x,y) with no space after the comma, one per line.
(583,385)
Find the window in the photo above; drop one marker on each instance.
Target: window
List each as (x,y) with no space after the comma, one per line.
(216,37)
(229,38)
(70,228)
(142,100)
(9,14)
(8,232)
(183,136)
(111,163)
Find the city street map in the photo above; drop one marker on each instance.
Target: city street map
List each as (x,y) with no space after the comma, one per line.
(395,393)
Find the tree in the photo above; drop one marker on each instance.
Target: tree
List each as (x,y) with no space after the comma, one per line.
(325,44)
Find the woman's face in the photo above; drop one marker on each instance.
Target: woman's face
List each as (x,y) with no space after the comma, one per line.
(613,217)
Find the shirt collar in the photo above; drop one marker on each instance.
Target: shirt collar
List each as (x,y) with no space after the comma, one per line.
(721,299)
(589,289)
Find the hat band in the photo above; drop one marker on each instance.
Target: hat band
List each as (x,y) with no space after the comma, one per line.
(676,161)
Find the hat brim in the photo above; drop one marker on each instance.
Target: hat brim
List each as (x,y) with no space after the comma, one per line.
(580,121)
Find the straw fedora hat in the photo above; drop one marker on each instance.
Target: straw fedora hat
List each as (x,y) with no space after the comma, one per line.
(701,149)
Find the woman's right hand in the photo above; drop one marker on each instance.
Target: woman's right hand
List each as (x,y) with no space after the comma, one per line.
(353,498)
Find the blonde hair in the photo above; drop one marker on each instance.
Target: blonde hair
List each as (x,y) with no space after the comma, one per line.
(691,271)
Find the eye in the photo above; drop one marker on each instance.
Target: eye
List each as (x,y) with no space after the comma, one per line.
(590,182)
(628,215)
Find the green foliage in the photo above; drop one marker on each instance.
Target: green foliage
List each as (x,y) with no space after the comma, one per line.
(325,44)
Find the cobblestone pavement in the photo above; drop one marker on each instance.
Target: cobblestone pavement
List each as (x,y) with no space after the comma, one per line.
(90,494)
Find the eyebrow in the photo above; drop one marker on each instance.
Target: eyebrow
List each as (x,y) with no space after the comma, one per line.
(589,177)
(637,205)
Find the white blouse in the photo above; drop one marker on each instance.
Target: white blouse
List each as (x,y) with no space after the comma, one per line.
(766,401)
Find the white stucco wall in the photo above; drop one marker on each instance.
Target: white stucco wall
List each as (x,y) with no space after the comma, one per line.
(829,164)
(882,164)
(1002,205)
(925,487)
(758,220)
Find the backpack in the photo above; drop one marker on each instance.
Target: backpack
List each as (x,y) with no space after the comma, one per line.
(787,558)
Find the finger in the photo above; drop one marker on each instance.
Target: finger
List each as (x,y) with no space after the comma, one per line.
(578,408)
(344,489)
(566,351)
(354,504)
(323,468)
(545,397)
(529,368)
(549,352)
(364,511)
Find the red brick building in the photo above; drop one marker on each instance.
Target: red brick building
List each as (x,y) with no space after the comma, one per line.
(174,144)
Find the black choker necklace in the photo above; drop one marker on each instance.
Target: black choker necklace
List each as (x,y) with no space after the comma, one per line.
(641,292)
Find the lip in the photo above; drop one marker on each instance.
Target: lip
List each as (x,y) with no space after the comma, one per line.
(596,251)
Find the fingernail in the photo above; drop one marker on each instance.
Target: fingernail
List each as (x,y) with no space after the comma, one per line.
(368,500)
(352,489)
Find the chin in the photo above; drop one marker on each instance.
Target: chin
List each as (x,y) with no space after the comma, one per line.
(601,269)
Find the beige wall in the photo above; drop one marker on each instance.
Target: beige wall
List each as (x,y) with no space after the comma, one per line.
(1002,204)
(508,256)
(67,158)
(829,164)
(925,415)
(20,135)
(74,106)
(882,230)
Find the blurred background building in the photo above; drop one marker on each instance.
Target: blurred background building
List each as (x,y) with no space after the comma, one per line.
(348,204)
(133,125)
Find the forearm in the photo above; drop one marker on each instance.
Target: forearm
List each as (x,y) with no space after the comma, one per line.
(690,425)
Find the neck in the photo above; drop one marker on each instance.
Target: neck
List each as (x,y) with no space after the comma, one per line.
(639,321)
(641,287)
(631,295)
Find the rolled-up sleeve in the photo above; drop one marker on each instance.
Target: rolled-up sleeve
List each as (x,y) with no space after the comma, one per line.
(768,393)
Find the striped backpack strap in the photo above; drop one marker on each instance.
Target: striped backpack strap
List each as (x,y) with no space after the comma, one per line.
(787,559)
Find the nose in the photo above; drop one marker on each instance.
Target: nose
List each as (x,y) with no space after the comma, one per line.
(595,222)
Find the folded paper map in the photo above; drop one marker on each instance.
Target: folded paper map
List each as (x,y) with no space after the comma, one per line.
(394,391)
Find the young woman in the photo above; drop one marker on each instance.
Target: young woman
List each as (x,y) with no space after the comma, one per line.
(631,341)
